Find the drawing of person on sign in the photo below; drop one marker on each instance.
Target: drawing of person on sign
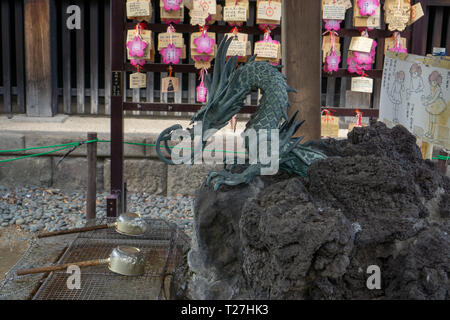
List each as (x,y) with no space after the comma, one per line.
(434,103)
(396,95)
(416,85)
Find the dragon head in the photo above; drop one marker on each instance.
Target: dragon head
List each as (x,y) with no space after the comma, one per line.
(225,99)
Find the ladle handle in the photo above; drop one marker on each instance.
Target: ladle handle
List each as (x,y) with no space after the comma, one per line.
(85,229)
(62,267)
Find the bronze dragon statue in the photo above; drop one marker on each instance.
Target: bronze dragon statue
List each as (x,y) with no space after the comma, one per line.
(227,89)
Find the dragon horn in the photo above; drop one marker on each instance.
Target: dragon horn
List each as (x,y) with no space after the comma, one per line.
(290,89)
(252,58)
(220,61)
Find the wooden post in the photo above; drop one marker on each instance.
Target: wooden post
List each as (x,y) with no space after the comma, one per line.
(303,62)
(39,57)
(117,90)
(91,198)
(112,205)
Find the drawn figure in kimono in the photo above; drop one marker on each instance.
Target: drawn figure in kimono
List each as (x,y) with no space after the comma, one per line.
(434,103)
(416,85)
(396,95)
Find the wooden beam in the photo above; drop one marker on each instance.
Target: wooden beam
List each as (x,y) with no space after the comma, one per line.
(303,65)
(117,36)
(439,3)
(192,107)
(38,58)
(107,45)
(344,73)
(187,28)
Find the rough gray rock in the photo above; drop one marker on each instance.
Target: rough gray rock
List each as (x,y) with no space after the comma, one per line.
(373,202)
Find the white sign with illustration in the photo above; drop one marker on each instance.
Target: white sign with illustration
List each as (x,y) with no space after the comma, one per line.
(416,94)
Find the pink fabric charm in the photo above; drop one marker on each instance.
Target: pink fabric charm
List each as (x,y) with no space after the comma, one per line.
(399,48)
(171,21)
(353,66)
(171,54)
(264,27)
(202,58)
(137,47)
(204,44)
(202,91)
(332,62)
(268,38)
(362,61)
(172,5)
(333,25)
(236,24)
(368,7)
(363,58)
(398,44)
(138,63)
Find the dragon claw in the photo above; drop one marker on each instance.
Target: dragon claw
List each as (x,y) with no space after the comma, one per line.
(211,176)
(225,178)
(220,181)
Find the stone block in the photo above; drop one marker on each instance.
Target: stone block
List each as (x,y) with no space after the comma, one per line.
(12,141)
(130,150)
(186,180)
(141,175)
(39,139)
(26,172)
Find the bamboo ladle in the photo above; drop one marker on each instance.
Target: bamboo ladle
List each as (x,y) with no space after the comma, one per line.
(124,260)
(130,224)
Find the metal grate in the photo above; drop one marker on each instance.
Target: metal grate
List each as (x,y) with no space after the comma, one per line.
(160,245)
(14,287)
(98,283)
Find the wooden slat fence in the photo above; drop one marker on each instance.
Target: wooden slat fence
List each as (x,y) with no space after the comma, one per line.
(82,75)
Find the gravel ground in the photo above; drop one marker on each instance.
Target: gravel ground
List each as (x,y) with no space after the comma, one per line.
(35,209)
